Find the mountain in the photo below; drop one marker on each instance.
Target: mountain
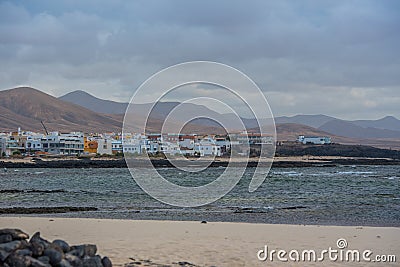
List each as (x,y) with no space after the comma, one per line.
(25,107)
(93,103)
(309,120)
(388,122)
(159,112)
(350,129)
(386,128)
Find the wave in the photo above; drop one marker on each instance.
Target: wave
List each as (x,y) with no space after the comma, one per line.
(14,191)
(356,172)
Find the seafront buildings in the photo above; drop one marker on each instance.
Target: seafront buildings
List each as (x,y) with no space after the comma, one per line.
(77,143)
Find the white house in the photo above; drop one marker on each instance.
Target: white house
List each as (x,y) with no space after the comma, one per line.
(34,143)
(71,143)
(104,146)
(207,147)
(116,146)
(51,143)
(318,140)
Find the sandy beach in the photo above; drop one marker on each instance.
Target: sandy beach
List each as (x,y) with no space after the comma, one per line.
(166,243)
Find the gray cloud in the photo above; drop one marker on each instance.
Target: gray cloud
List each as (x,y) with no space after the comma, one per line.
(308,56)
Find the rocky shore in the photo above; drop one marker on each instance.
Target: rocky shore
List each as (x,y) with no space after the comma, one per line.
(17,250)
(44,210)
(163,163)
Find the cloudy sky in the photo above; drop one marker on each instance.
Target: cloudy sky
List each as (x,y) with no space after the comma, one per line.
(339,58)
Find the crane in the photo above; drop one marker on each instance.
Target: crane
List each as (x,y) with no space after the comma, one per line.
(47,133)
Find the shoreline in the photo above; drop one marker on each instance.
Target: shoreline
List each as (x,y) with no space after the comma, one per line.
(278,162)
(69,212)
(172,243)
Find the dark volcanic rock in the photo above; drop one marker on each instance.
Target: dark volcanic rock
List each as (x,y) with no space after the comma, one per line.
(54,256)
(37,249)
(38,263)
(61,244)
(44,259)
(73,260)
(24,252)
(92,261)
(16,234)
(106,262)
(36,239)
(11,246)
(84,250)
(3,255)
(64,263)
(16,251)
(5,238)
(15,260)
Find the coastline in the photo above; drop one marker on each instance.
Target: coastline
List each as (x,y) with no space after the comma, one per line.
(279,162)
(168,243)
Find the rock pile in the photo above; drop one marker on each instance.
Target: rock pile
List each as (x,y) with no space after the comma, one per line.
(17,251)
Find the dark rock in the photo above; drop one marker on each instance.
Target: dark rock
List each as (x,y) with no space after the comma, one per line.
(5,238)
(44,259)
(203,222)
(37,249)
(15,260)
(38,263)
(37,239)
(62,244)
(54,256)
(16,251)
(92,261)
(3,255)
(16,234)
(85,250)
(23,252)
(25,245)
(106,262)
(77,252)
(73,260)
(10,246)
(64,263)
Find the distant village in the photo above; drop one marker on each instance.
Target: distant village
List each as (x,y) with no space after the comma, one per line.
(27,143)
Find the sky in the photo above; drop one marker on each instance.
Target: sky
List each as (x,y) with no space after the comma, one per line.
(339,58)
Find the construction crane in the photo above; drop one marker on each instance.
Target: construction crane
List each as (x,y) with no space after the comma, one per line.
(47,133)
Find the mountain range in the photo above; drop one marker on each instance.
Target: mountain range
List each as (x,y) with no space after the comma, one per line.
(385,128)
(26,107)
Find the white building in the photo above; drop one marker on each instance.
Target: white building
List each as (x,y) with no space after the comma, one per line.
(318,140)
(207,147)
(71,143)
(104,146)
(34,143)
(51,143)
(116,146)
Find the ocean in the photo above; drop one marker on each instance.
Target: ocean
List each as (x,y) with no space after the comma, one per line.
(343,195)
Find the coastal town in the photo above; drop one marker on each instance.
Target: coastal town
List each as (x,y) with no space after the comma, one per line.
(27,143)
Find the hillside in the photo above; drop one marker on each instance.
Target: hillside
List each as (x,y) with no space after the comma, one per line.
(93,103)
(352,130)
(25,107)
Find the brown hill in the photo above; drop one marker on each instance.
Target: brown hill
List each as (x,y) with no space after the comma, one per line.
(25,107)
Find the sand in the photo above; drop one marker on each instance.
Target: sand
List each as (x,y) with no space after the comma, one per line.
(211,244)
